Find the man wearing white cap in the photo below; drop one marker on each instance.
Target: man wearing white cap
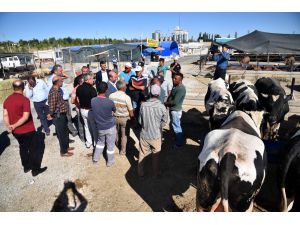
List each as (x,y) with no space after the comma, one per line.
(153,116)
(175,67)
(127,73)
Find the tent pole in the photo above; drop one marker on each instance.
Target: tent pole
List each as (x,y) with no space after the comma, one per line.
(268,59)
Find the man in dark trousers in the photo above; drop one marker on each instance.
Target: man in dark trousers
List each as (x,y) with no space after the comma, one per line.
(18,120)
(222,62)
(58,112)
(102,74)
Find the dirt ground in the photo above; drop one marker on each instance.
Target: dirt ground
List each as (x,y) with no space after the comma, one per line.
(76,184)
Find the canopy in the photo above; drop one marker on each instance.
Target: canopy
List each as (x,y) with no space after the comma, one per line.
(170,47)
(150,50)
(259,42)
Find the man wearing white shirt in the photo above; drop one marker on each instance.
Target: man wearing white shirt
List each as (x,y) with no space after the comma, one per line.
(37,91)
(113,78)
(102,74)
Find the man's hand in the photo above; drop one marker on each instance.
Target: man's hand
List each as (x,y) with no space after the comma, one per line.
(49,117)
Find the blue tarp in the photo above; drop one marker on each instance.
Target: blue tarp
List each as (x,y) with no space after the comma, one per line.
(170,47)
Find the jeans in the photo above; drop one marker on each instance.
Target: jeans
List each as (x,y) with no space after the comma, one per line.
(61,126)
(28,150)
(176,116)
(42,110)
(80,124)
(109,136)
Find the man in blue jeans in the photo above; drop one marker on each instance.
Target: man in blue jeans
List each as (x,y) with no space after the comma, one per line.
(174,102)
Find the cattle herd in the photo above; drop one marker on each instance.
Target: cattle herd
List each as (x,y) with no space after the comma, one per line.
(233,160)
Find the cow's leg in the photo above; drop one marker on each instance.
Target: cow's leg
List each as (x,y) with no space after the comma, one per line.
(290,203)
(217,207)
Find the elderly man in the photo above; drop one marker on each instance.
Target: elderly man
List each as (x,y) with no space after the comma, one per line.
(153,116)
(58,71)
(18,120)
(84,70)
(113,77)
(124,112)
(85,93)
(102,74)
(37,91)
(58,113)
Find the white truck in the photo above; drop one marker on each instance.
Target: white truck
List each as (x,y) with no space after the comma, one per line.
(10,62)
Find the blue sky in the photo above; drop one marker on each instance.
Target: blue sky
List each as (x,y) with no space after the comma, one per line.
(15,26)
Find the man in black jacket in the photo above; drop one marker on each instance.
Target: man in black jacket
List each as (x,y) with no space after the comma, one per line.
(102,74)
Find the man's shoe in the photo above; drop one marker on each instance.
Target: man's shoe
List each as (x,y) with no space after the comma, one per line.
(26,169)
(74,134)
(110,164)
(88,146)
(70,148)
(38,171)
(71,141)
(68,154)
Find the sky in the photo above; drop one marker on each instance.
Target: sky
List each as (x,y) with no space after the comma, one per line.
(15,26)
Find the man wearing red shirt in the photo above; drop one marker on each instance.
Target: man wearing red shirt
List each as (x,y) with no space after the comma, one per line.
(18,120)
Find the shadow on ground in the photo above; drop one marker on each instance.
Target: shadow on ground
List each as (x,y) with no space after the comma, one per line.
(4,141)
(69,200)
(178,166)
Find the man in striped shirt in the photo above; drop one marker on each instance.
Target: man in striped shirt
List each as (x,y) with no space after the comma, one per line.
(153,116)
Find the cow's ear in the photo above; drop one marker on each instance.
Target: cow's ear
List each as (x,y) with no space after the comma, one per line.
(275,97)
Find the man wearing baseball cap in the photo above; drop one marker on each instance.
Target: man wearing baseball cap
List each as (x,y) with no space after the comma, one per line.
(127,73)
(175,67)
(153,116)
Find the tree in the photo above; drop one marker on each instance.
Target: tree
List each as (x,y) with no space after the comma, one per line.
(217,36)
(228,36)
(199,37)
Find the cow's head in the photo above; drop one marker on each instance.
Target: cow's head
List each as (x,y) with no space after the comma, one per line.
(219,113)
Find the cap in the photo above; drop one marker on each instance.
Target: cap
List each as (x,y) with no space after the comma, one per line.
(176,57)
(155,90)
(138,69)
(128,65)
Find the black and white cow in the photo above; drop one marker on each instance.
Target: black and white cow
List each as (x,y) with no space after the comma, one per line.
(218,103)
(232,166)
(290,173)
(245,97)
(274,100)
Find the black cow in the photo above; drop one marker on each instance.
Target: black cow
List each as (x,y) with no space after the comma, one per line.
(290,173)
(232,166)
(274,100)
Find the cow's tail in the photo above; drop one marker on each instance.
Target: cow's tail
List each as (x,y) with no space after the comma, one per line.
(285,165)
(226,168)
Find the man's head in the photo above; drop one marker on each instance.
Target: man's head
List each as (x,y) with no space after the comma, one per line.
(31,80)
(176,59)
(103,65)
(57,81)
(57,70)
(178,79)
(85,70)
(18,85)
(161,61)
(155,90)
(102,88)
(128,67)
(113,76)
(89,78)
(121,85)
(224,48)
(139,70)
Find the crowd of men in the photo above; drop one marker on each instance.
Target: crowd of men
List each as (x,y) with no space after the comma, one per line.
(107,105)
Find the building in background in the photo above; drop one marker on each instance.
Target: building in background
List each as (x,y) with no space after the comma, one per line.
(179,35)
